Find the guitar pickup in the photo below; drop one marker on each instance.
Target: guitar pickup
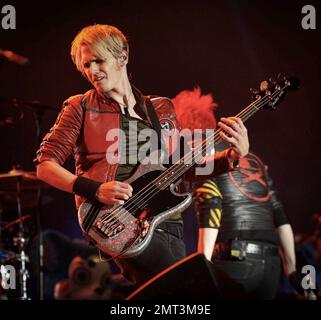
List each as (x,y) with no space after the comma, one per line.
(108,229)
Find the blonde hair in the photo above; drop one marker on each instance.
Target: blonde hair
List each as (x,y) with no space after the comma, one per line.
(101,39)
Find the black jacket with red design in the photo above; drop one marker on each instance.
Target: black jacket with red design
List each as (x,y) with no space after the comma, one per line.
(241,203)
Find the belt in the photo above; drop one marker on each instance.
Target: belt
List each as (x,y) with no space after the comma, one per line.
(226,249)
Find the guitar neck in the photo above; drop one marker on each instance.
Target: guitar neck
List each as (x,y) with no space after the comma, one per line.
(189,160)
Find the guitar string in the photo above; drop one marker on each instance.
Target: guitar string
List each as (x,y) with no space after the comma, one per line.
(246,113)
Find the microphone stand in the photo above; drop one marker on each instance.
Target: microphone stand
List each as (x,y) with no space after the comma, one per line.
(22,242)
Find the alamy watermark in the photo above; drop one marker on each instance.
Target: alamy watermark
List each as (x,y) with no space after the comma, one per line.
(309,280)
(184,147)
(8,18)
(8,277)
(309,19)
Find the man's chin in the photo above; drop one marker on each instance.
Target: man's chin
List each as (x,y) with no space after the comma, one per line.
(101,90)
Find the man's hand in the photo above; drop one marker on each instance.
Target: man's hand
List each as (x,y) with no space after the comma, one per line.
(114,192)
(238,138)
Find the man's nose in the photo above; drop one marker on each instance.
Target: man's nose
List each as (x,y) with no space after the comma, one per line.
(94,68)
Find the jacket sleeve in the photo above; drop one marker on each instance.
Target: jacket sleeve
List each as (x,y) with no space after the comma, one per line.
(58,144)
(222,164)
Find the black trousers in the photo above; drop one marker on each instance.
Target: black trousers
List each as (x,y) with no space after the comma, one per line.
(166,248)
(259,276)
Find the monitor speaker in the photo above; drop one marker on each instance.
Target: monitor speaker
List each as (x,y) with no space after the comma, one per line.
(193,278)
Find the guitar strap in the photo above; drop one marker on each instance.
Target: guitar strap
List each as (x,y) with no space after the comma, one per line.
(157,126)
(154,120)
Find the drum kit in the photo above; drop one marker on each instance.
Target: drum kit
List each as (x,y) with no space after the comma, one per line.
(20,191)
(15,235)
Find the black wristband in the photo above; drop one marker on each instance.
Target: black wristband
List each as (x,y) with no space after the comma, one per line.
(86,188)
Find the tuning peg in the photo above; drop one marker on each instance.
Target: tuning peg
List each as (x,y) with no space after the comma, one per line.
(281,77)
(291,81)
(274,84)
(294,83)
(264,85)
(255,94)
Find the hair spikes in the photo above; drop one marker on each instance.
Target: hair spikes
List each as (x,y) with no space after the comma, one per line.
(194,110)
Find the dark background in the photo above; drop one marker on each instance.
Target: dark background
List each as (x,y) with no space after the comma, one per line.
(226,48)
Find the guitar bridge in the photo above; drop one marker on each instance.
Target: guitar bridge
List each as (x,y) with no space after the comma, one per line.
(144,227)
(108,229)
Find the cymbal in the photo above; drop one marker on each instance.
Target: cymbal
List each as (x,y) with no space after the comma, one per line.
(28,181)
(28,175)
(15,222)
(9,175)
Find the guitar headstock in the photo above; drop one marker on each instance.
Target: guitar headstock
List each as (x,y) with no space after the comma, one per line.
(272,91)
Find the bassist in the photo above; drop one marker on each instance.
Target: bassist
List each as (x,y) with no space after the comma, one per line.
(101,53)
